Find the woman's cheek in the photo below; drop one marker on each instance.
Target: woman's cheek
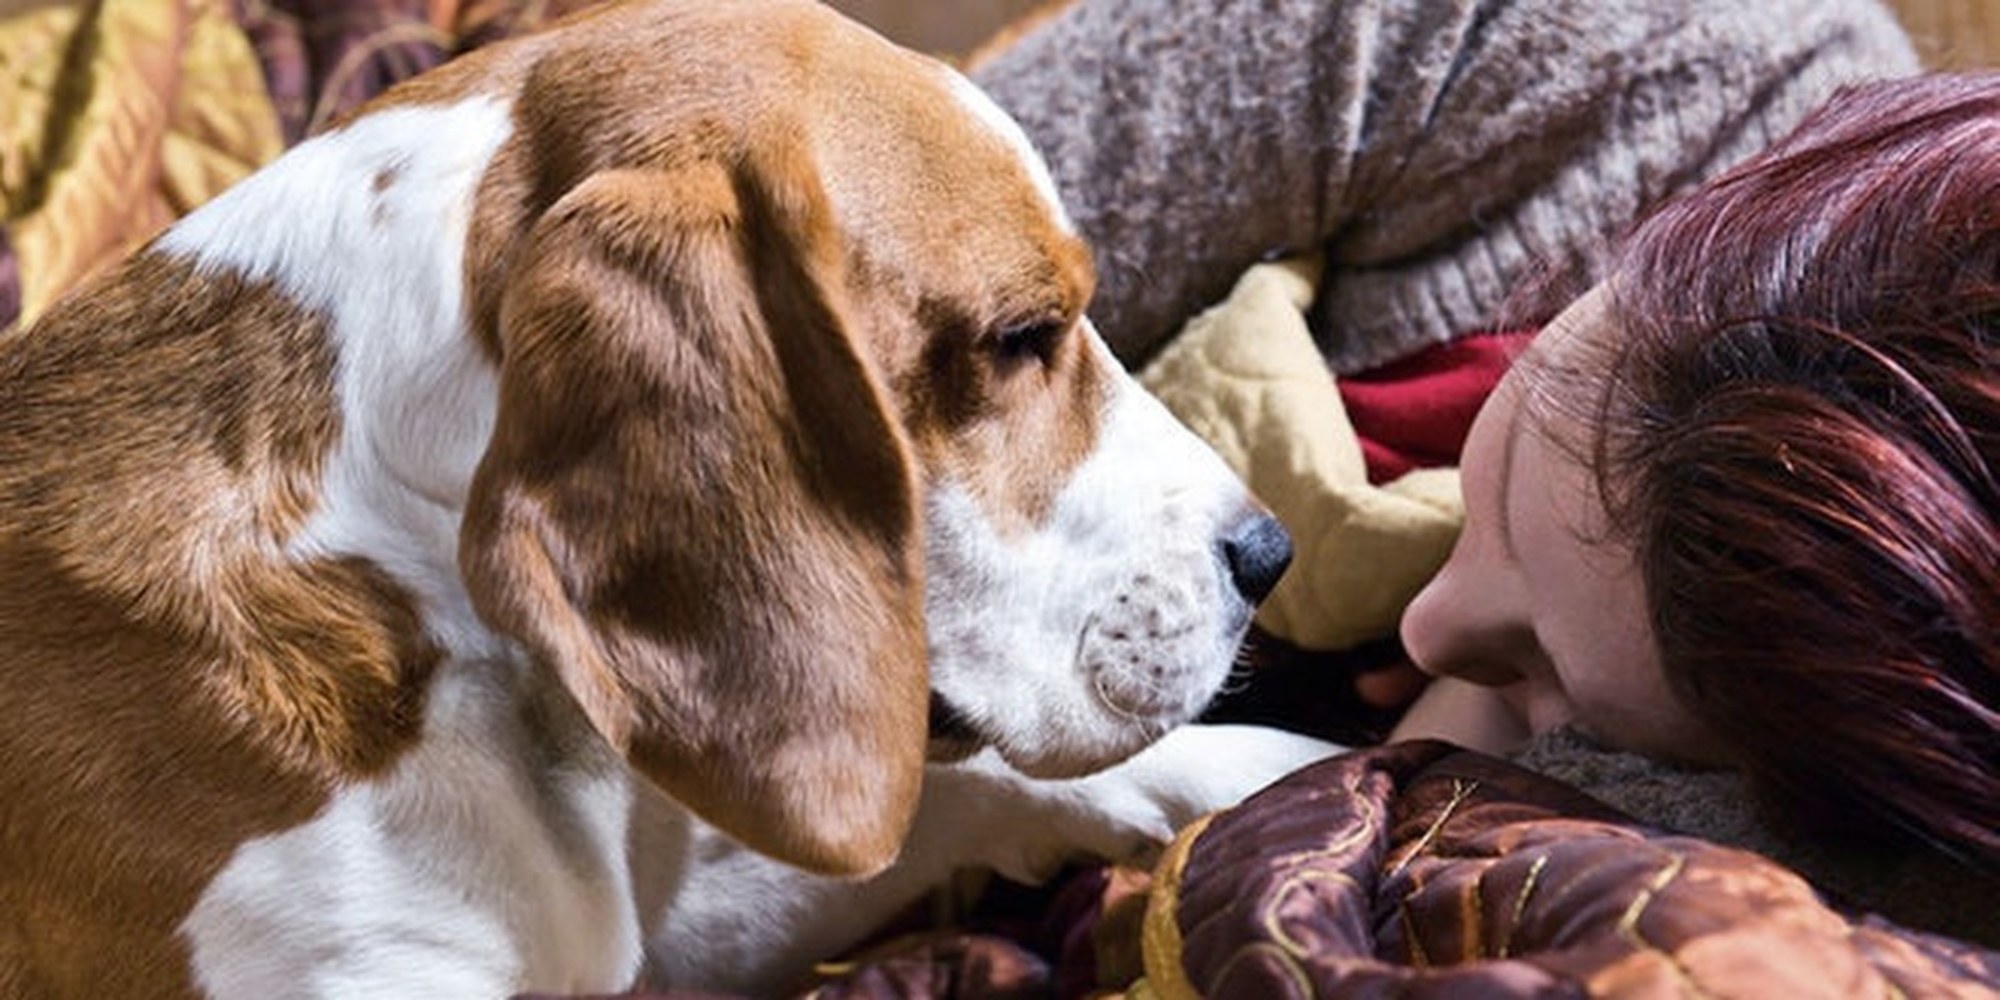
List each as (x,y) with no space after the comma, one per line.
(1545,705)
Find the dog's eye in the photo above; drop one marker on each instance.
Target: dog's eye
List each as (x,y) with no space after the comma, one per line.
(1031,341)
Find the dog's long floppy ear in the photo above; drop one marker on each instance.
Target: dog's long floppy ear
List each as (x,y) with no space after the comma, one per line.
(698,508)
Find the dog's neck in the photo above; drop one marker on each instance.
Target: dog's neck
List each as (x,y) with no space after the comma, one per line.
(187,529)
(375,222)
(376,217)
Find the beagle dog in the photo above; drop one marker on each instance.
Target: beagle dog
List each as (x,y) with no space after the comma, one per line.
(628,506)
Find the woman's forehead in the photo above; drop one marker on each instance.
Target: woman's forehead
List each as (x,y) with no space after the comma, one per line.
(1561,375)
(1584,323)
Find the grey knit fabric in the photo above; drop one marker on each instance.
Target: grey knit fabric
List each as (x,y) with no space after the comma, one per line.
(1436,148)
(1916,888)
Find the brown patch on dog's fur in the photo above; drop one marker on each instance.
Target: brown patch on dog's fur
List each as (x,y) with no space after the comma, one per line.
(174,682)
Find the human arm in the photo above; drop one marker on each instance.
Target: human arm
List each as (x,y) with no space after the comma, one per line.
(1437,149)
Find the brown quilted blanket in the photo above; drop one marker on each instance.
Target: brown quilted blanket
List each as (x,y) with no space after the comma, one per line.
(1423,870)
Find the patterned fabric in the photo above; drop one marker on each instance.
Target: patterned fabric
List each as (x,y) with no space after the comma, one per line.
(1423,870)
(323,58)
(115,119)
(118,118)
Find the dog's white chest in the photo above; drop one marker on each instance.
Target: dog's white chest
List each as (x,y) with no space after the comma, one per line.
(466,871)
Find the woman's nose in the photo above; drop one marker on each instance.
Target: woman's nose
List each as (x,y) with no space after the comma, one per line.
(1469,629)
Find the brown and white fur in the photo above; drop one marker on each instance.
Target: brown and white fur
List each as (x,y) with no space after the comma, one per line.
(640,500)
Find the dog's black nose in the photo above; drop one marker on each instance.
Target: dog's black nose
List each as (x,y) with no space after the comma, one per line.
(1257,550)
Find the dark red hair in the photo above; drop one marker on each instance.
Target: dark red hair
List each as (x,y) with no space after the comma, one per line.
(1798,434)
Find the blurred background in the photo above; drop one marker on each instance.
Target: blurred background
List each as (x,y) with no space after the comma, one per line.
(941,27)
(1949,33)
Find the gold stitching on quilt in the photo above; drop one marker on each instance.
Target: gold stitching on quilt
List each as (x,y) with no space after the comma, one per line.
(1628,925)
(1418,958)
(1162,945)
(1286,962)
(1363,827)
(1460,791)
(1528,886)
(1274,928)
(1472,917)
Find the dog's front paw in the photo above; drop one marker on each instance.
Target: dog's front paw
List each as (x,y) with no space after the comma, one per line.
(1126,812)
(1196,770)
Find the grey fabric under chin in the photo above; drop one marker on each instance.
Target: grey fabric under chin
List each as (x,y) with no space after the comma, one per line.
(1916,888)
(1438,149)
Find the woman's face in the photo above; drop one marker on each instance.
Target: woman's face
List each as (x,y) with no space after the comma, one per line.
(1535,595)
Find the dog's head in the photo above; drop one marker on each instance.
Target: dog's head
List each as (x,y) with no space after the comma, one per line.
(807,466)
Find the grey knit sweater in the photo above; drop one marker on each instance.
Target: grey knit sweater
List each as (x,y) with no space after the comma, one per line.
(1437,149)
(1912,886)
